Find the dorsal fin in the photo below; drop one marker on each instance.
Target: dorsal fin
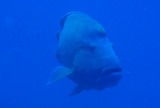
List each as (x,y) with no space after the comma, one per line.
(100,30)
(65,17)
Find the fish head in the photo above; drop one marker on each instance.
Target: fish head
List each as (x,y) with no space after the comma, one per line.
(107,63)
(97,66)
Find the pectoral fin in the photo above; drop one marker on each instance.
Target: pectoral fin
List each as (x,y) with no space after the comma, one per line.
(76,90)
(59,73)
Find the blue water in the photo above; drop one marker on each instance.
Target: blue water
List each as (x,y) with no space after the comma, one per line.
(28,42)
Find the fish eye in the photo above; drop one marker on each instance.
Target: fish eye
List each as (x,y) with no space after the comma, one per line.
(92,47)
(57,35)
(113,46)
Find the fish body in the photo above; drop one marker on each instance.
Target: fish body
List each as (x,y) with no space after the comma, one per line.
(86,54)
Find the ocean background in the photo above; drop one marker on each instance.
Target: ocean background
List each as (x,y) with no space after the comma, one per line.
(28,41)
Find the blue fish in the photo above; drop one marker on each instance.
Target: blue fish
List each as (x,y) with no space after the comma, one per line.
(86,54)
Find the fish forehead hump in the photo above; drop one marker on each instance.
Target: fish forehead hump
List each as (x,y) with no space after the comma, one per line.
(78,30)
(83,25)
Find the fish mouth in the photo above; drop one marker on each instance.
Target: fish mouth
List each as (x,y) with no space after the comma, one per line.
(112,71)
(109,77)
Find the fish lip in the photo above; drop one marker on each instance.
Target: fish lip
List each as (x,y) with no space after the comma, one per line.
(112,71)
(109,77)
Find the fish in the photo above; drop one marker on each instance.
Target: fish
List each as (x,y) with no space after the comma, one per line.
(86,55)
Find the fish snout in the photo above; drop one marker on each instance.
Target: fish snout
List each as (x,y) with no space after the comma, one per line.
(110,76)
